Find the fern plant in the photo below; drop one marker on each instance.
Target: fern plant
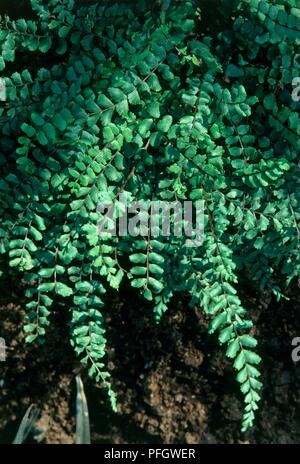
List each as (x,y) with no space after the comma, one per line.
(118,98)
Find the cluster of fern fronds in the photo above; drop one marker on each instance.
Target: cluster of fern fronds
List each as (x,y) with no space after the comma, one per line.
(170,103)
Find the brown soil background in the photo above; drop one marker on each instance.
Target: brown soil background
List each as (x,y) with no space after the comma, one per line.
(173,382)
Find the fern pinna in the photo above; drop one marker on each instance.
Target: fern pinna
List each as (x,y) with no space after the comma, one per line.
(118,98)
